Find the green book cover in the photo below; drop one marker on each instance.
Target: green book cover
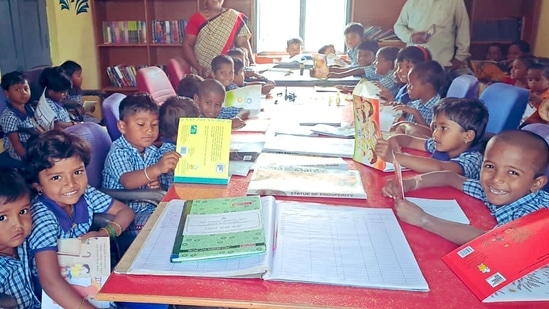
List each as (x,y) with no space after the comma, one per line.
(219,228)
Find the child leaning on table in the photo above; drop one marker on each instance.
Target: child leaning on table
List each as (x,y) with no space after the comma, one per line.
(15,226)
(458,126)
(57,84)
(367,51)
(64,208)
(74,71)
(210,98)
(510,183)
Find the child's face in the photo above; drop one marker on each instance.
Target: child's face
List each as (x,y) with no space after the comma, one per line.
(15,224)
(365,57)
(352,39)
(210,104)
(416,88)
(18,94)
(449,136)
(239,78)
(382,65)
(294,49)
(225,74)
(537,82)
(507,173)
(513,52)
(76,79)
(518,70)
(494,53)
(65,182)
(402,70)
(57,96)
(330,50)
(140,129)
(244,60)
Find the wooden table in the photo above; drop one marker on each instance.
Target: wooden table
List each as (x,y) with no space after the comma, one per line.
(292,77)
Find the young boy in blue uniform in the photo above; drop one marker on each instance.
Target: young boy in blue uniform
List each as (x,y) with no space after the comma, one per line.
(210,98)
(511,178)
(458,127)
(15,226)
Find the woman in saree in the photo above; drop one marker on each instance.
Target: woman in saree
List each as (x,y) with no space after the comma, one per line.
(213,31)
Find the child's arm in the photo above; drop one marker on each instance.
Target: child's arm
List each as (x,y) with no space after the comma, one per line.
(385,94)
(350,72)
(138,178)
(345,89)
(16,144)
(412,111)
(458,233)
(123,217)
(427,180)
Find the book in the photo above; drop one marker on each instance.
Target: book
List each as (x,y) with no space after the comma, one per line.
(316,146)
(341,132)
(245,151)
(255,125)
(320,66)
(295,130)
(306,181)
(89,105)
(85,265)
(219,228)
(44,116)
(204,145)
(489,71)
(248,97)
(363,247)
(280,159)
(508,263)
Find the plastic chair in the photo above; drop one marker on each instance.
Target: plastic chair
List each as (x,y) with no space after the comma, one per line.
(155,82)
(176,71)
(33,77)
(464,86)
(505,104)
(109,108)
(542,130)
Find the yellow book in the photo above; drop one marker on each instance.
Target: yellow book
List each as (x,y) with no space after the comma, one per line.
(204,145)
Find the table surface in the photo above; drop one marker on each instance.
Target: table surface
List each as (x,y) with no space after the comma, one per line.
(292,77)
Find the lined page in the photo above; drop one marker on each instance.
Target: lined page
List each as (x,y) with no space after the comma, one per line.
(342,245)
(444,209)
(154,257)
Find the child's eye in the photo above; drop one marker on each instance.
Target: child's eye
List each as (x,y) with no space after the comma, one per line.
(154,124)
(2,218)
(513,173)
(140,124)
(488,165)
(79,172)
(56,177)
(24,211)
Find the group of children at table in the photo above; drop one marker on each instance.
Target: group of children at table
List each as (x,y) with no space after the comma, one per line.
(59,203)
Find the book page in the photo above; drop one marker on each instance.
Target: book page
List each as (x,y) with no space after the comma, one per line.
(532,287)
(444,209)
(154,256)
(44,116)
(341,245)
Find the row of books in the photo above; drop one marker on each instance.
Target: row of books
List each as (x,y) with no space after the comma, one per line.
(124,32)
(168,31)
(376,33)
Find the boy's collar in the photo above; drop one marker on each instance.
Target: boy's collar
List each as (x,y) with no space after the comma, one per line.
(80,212)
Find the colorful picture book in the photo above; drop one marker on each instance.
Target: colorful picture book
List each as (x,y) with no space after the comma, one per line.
(280,159)
(320,66)
(306,242)
(489,71)
(306,181)
(315,146)
(245,151)
(508,263)
(204,145)
(248,97)
(219,228)
(86,265)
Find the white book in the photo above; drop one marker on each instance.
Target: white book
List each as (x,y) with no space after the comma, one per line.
(341,132)
(281,159)
(316,146)
(363,247)
(444,209)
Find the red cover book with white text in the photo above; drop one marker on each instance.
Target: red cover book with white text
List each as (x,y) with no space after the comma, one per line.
(508,263)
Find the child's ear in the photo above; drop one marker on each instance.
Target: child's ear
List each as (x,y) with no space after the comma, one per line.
(469,136)
(539,182)
(37,186)
(121,126)
(196,98)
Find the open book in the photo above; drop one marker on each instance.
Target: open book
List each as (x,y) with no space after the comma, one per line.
(489,71)
(362,247)
(508,263)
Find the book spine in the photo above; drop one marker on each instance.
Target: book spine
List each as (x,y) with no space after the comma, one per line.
(179,236)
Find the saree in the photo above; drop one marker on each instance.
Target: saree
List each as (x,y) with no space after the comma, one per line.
(217,35)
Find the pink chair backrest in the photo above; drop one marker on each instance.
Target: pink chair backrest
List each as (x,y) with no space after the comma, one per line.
(184,65)
(175,72)
(155,82)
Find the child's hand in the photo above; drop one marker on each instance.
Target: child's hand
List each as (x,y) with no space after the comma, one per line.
(238,123)
(91,234)
(154,184)
(334,75)
(168,162)
(392,190)
(267,88)
(345,89)
(409,212)
(384,149)
(406,109)
(384,94)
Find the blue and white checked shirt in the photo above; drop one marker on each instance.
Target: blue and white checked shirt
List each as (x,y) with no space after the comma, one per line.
(60,112)
(424,109)
(370,73)
(507,213)
(228,112)
(352,53)
(16,280)
(470,161)
(402,95)
(11,121)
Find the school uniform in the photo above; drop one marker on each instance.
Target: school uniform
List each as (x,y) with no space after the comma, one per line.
(60,112)
(228,112)
(424,109)
(470,160)
(352,53)
(402,95)
(12,120)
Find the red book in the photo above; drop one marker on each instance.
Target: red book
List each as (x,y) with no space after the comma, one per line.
(508,263)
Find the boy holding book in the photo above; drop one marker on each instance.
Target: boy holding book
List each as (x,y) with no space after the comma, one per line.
(210,98)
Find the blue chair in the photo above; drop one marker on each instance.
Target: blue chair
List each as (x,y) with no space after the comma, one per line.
(505,104)
(109,108)
(542,130)
(463,86)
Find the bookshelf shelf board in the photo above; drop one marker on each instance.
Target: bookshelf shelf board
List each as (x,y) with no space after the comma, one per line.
(123,45)
(119,89)
(166,44)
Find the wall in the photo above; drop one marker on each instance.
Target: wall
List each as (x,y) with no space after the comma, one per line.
(71,38)
(542,44)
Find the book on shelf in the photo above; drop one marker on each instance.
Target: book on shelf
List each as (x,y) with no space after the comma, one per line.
(362,247)
(314,146)
(219,228)
(489,71)
(85,265)
(124,32)
(508,263)
(168,31)
(280,159)
(204,145)
(245,151)
(306,181)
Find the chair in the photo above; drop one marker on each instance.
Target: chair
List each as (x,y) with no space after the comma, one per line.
(109,108)
(155,82)
(505,104)
(177,69)
(33,77)
(464,86)
(542,130)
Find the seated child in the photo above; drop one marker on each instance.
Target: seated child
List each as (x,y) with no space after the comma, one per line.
(188,86)
(519,70)
(515,50)
(538,82)
(223,71)
(511,177)
(331,56)
(239,73)
(16,120)
(249,75)
(210,98)
(353,37)
(367,51)
(57,84)
(64,208)
(494,52)
(384,68)
(327,49)
(133,162)
(74,71)
(294,47)
(458,126)
(15,272)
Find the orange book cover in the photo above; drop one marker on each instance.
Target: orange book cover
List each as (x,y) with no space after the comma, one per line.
(508,263)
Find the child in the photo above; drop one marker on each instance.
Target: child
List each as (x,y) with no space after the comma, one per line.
(249,75)
(327,49)
(17,116)
(384,68)
(511,177)
(57,85)
(294,46)
(367,51)
(353,37)
(74,71)
(517,49)
(223,71)
(15,226)
(133,162)
(458,126)
(519,70)
(56,163)
(239,77)
(188,86)
(210,98)
(494,52)
(538,82)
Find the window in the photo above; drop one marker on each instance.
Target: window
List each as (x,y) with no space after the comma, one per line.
(317,22)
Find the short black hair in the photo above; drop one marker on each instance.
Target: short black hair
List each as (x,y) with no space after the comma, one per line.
(296,40)
(470,114)
(388,52)
(12,78)
(354,27)
(236,52)
(42,151)
(370,45)
(12,186)
(174,108)
(238,65)
(217,61)
(70,67)
(430,72)
(522,45)
(413,54)
(527,60)
(188,86)
(137,103)
(528,141)
(323,49)
(210,85)
(55,79)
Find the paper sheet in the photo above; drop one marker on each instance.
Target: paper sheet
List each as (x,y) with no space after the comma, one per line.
(44,114)
(444,209)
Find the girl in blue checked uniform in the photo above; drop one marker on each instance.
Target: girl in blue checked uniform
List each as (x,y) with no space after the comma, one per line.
(15,226)
(57,84)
